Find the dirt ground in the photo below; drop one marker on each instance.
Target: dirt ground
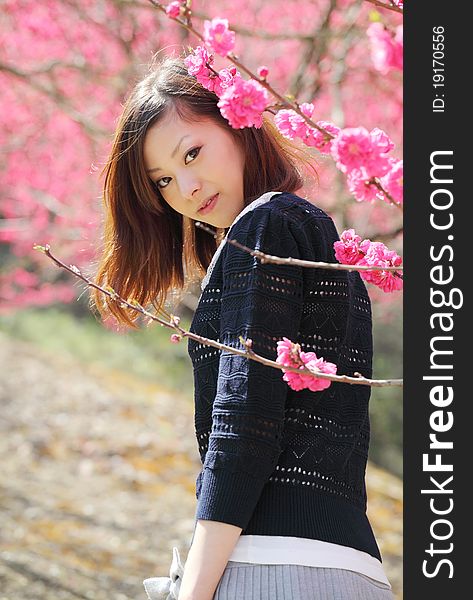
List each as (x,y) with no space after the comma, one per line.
(98,481)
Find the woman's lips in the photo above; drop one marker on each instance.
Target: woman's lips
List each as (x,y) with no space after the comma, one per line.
(209,206)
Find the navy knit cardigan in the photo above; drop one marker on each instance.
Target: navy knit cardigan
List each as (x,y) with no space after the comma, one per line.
(278,461)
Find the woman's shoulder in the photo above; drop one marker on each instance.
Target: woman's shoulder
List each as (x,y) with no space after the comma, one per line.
(296,208)
(287,211)
(278,220)
(291,207)
(281,206)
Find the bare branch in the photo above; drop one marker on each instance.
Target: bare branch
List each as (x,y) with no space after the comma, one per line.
(174,320)
(269,258)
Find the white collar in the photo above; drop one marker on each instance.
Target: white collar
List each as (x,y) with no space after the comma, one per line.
(261,200)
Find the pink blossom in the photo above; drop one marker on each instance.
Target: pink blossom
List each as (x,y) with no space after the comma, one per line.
(307,108)
(317,139)
(173,9)
(226,78)
(359,186)
(291,124)
(196,64)
(354,148)
(263,72)
(393,181)
(399,3)
(243,103)
(386,48)
(381,140)
(175,338)
(283,122)
(218,37)
(350,249)
(377,254)
(289,354)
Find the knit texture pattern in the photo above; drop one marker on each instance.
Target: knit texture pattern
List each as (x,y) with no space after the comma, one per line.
(278,461)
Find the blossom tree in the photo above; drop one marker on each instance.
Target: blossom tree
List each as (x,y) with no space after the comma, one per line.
(66,66)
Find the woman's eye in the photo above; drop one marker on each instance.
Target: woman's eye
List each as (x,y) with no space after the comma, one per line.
(194,149)
(197,148)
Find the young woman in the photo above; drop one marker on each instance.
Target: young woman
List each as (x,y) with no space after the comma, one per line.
(281,511)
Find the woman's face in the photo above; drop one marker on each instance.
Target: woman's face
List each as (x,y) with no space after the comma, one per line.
(190,162)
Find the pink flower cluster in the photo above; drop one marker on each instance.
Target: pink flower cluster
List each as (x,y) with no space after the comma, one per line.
(198,64)
(292,125)
(378,255)
(351,250)
(362,155)
(359,153)
(218,37)
(357,148)
(289,354)
(316,138)
(241,102)
(359,185)
(387,49)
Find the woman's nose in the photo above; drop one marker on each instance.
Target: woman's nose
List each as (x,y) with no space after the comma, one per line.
(189,186)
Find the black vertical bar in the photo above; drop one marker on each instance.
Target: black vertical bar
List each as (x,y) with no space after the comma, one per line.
(437,217)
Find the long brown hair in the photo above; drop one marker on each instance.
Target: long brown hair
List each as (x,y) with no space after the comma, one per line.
(148,249)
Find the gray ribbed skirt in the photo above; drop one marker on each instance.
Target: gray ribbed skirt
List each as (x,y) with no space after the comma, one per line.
(248,581)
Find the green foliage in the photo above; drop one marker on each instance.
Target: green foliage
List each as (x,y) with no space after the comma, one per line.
(146,353)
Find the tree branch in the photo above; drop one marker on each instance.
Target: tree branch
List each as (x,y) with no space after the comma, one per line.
(269,258)
(174,324)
